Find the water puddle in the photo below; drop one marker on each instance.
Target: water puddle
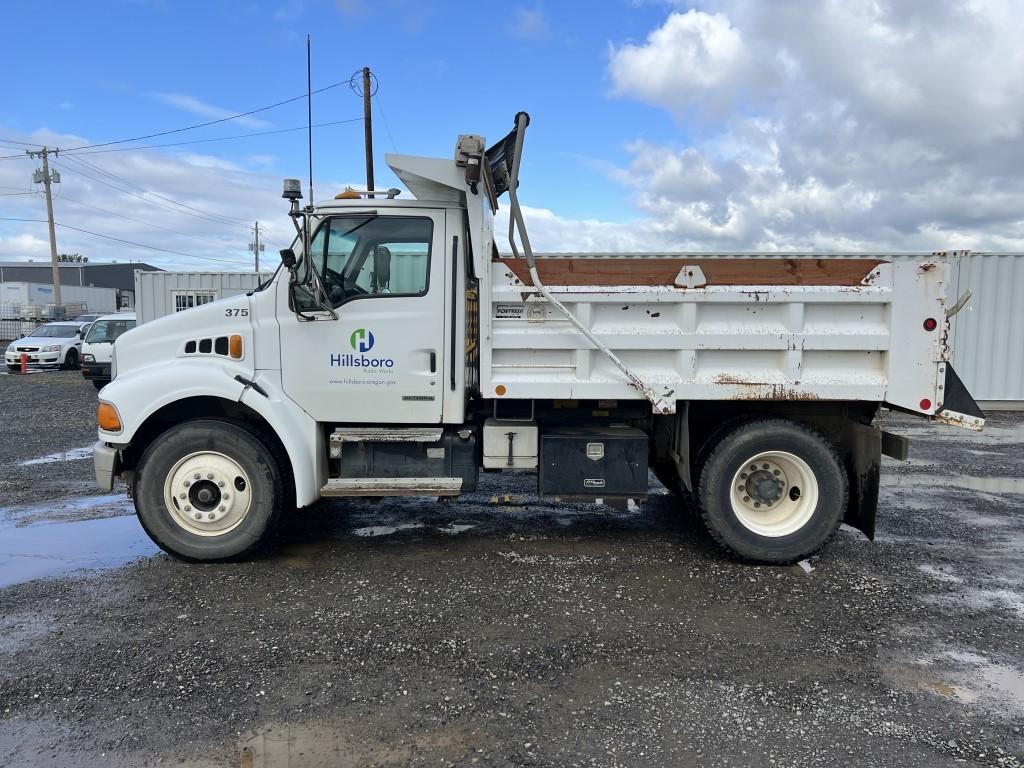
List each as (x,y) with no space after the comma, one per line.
(70,509)
(385,530)
(336,746)
(49,549)
(75,454)
(971,679)
(964,482)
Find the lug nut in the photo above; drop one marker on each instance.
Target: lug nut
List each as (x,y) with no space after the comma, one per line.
(757,503)
(182,495)
(209,476)
(188,508)
(227,496)
(222,507)
(775,472)
(187,483)
(195,476)
(199,515)
(211,516)
(220,483)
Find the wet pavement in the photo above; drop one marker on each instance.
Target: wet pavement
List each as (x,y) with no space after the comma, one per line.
(504,630)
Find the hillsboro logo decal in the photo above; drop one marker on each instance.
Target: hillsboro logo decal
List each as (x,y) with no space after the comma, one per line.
(362,341)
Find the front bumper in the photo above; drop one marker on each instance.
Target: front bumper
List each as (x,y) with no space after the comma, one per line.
(105,461)
(34,358)
(97,371)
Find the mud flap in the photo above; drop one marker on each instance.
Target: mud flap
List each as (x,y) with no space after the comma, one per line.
(958,407)
(865,462)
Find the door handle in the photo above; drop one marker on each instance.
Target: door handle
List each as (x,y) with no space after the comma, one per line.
(433,362)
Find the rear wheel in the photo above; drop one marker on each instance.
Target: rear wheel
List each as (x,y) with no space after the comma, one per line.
(71,360)
(209,490)
(772,491)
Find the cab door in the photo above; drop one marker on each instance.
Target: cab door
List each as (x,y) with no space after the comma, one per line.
(379,362)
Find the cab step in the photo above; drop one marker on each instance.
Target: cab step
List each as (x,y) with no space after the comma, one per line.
(392,486)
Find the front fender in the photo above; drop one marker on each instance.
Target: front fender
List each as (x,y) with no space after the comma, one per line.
(144,391)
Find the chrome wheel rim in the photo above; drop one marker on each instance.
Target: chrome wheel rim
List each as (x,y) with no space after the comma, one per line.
(774,493)
(207,493)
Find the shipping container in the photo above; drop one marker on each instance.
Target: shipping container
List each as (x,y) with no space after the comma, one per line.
(164,293)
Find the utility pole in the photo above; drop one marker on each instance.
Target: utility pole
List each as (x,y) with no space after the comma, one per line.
(367,128)
(46,178)
(256,247)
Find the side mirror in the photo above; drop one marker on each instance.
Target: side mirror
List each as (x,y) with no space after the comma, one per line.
(381,268)
(288,258)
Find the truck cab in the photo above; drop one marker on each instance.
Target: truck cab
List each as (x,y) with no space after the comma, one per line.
(394,352)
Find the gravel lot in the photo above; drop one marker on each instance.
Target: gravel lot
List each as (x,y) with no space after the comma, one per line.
(501,630)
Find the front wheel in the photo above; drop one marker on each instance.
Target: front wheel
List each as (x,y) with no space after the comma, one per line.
(208,490)
(772,491)
(71,360)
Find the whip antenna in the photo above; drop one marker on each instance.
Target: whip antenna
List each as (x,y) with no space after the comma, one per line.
(309,115)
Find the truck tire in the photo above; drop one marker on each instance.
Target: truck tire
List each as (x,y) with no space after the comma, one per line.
(772,491)
(209,490)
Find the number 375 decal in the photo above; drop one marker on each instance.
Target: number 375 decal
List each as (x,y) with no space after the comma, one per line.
(236,312)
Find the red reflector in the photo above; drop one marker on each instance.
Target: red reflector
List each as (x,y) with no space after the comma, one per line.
(926,404)
(930,324)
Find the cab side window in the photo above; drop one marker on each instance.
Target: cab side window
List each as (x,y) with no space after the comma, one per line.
(365,257)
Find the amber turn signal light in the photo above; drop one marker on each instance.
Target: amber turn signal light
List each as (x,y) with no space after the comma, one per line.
(235,347)
(108,418)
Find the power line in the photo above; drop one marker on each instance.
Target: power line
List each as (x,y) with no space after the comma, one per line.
(387,127)
(121,240)
(141,221)
(201,125)
(126,182)
(154,203)
(206,141)
(150,247)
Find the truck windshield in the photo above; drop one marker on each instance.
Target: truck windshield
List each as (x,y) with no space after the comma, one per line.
(55,331)
(106,331)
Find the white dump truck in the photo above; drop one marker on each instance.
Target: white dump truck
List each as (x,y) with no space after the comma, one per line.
(396,352)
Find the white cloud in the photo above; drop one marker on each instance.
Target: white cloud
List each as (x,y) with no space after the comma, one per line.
(529,23)
(833,125)
(224,200)
(693,59)
(201,108)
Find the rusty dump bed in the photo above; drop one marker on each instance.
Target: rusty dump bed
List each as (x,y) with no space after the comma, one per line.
(663,271)
(718,327)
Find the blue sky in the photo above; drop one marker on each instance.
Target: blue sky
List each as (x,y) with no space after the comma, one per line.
(444,69)
(717,125)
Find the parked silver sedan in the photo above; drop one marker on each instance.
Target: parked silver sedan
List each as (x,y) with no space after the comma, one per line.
(49,345)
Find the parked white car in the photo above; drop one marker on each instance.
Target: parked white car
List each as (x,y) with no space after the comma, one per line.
(98,345)
(52,344)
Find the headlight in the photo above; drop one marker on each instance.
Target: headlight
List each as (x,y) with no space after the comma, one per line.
(52,348)
(87,358)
